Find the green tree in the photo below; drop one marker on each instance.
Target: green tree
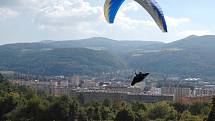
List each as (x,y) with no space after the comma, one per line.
(187,116)
(105,111)
(196,108)
(2,79)
(82,115)
(64,109)
(32,110)
(211,116)
(90,113)
(97,114)
(107,103)
(180,107)
(137,106)
(94,110)
(7,104)
(81,98)
(161,110)
(141,116)
(125,115)
(118,105)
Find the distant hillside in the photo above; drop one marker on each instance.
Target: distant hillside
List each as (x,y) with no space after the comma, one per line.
(195,42)
(96,43)
(192,56)
(60,61)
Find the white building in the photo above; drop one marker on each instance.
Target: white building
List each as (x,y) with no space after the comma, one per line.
(178,92)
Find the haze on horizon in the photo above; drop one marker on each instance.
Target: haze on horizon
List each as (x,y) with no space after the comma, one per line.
(36,20)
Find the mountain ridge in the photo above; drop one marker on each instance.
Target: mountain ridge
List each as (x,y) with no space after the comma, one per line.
(193,55)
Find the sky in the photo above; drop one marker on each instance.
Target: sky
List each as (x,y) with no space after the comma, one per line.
(36,20)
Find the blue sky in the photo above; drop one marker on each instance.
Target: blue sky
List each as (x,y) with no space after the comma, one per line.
(36,20)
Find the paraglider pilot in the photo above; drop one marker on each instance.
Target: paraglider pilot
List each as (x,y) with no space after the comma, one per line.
(139,77)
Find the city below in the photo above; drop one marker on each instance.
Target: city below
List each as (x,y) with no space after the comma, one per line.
(151,90)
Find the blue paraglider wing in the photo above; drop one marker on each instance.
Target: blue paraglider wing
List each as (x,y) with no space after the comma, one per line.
(110,9)
(151,6)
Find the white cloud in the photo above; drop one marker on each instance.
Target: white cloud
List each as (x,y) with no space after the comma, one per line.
(131,6)
(83,18)
(80,18)
(70,14)
(195,32)
(67,8)
(175,22)
(127,23)
(7,13)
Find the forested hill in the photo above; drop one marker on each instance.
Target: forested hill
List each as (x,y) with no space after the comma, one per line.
(193,55)
(59,61)
(96,43)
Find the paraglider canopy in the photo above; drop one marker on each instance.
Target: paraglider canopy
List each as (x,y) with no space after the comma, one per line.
(139,77)
(111,8)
